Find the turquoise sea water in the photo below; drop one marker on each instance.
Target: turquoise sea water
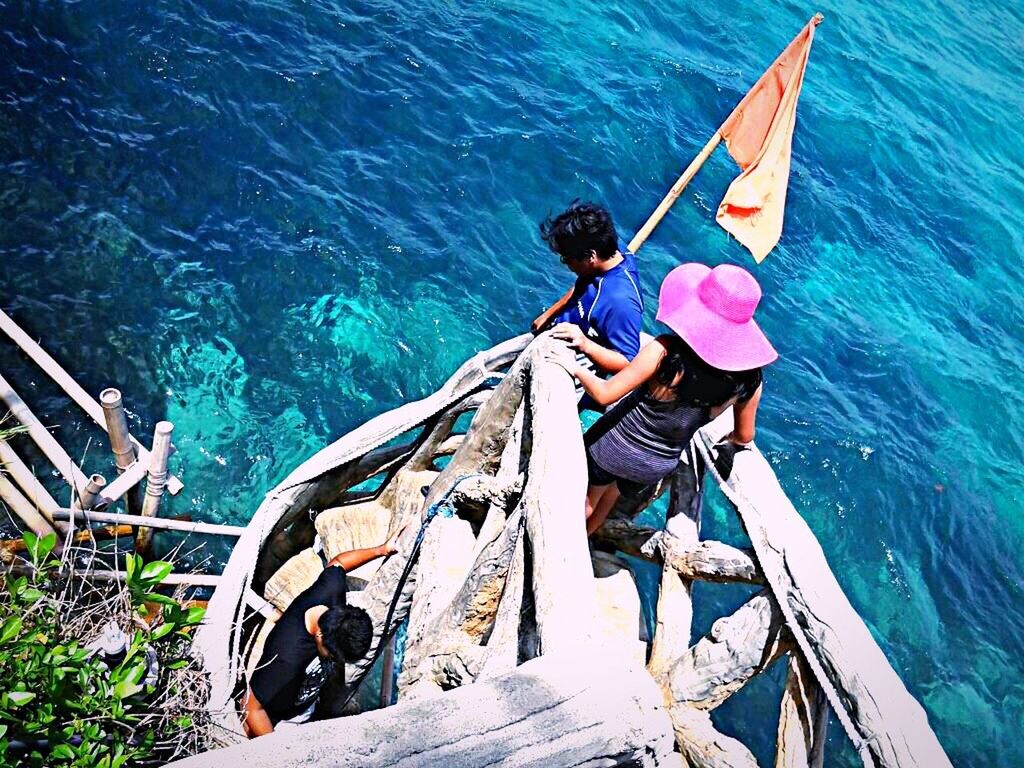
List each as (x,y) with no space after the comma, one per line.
(269,221)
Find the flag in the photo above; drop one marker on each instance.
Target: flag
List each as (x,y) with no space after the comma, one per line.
(759,136)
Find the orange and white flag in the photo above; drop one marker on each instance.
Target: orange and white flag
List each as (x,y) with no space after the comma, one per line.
(759,136)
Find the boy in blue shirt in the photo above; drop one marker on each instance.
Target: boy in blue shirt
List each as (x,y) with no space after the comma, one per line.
(604,309)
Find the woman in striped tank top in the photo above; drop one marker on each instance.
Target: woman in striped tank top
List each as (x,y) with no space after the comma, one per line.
(676,384)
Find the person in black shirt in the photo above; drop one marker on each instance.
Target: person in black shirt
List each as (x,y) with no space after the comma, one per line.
(317,623)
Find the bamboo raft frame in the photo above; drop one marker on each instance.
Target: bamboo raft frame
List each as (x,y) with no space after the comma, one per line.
(28,499)
(507,658)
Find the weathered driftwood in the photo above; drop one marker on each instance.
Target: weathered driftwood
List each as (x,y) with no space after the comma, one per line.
(553,711)
(707,560)
(472,611)
(737,648)
(620,627)
(886,724)
(496,587)
(446,555)
(337,535)
(71,387)
(562,577)
(704,746)
(711,560)
(674,615)
(803,717)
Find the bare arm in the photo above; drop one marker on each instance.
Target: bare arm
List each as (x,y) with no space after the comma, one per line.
(257,721)
(744,414)
(355,558)
(606,359)
(608,391)
(546,316)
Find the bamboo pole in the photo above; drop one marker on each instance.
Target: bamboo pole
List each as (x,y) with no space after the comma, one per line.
(42,437)
(155,482)
(28,482)
(120,441)
(673,194)
(123,485)
(117,428)
(170,580)
(71,387)
(162,523)
(23,508)
(91,495)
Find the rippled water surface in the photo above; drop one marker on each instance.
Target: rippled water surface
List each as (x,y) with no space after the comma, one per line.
(269,221)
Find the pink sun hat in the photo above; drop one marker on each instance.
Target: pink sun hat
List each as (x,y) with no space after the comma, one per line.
(712,310)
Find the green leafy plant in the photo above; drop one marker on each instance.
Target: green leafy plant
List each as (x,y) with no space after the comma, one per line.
(60,703)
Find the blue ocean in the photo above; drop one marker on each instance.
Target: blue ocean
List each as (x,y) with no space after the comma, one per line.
(269,221)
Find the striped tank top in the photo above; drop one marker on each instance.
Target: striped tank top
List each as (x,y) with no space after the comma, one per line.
(641,438)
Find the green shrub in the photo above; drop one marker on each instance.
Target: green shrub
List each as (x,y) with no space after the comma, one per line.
(59,704)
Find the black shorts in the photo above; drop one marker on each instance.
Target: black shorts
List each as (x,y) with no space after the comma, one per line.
(597,475)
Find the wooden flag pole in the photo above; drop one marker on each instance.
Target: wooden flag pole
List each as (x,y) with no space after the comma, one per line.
(673,194)
(691,170)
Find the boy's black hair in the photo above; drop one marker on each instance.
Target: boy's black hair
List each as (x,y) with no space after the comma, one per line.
(580,229)
(347,633)
(702,385)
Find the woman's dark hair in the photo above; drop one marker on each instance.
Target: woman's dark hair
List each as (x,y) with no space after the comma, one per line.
(702,385)
(580,229)
(346,633)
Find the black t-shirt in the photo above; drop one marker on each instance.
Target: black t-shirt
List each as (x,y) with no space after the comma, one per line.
(278,678)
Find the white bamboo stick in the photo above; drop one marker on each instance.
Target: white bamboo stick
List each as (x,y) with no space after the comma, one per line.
(673,194)
(23,508)
(171,580)
(26,479)
(163,523)
(125,483)
(117,428)
(41,435)
(156,481)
